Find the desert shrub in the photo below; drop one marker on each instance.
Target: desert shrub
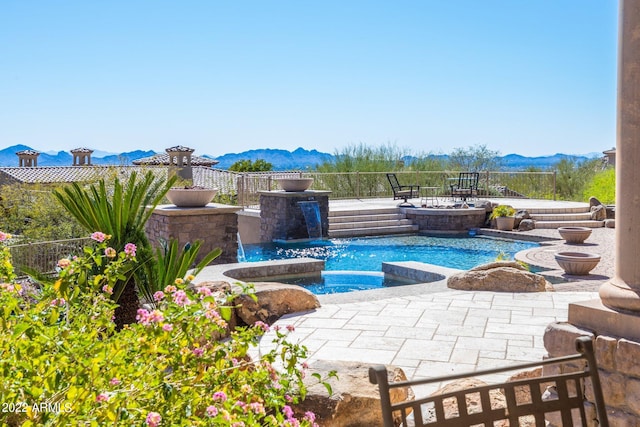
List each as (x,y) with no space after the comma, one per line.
(602,186)
(63,362)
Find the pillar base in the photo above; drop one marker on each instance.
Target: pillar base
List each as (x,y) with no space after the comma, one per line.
(594,316)
(618,296)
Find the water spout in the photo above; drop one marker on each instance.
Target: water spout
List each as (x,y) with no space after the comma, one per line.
(311,212)
(241,255)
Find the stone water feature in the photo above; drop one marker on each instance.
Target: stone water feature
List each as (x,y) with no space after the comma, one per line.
(282,214)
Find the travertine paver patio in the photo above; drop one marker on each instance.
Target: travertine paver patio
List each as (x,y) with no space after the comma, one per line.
(429,330)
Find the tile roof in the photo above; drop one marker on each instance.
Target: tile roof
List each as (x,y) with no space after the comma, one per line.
(163,159)
(202,176)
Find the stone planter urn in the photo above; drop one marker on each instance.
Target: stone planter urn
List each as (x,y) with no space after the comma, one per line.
(505,223)
(191,197)
(577,263)
(295,184)
(574,234)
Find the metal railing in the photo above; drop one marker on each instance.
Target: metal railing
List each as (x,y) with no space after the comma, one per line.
(43,257)
(363,185)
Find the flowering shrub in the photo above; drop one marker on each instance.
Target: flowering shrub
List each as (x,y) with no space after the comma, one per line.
(63,362)
(6,268)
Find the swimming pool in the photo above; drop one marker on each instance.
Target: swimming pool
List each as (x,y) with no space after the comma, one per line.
(368,253)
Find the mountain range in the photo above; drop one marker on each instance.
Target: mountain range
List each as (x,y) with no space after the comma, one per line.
(299,159)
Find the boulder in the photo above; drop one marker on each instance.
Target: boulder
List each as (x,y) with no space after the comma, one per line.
(500,276)
(526,225)
(354,401)
(593,201)
(274,300)
(610,223)
(599,213)
(520,216)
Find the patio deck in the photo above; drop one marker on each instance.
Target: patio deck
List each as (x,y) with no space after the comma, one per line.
(430,330)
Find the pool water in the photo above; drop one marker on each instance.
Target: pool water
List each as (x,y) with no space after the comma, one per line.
(368,253)
(331,282)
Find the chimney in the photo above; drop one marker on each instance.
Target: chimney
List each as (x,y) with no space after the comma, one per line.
(28,158)
(81,156)
(180,162)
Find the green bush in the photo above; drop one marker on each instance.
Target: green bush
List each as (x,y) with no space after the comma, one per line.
(63,362)
(602,186)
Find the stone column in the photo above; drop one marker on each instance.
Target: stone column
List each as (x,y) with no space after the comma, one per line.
(622,292)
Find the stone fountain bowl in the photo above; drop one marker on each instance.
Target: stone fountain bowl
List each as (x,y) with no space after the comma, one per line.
(577,263)
(191,197)
(574,234)
(295,184)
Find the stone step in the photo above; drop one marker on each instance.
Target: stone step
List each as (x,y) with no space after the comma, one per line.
(558,210)
(584,216)
(358,212)
(374,231)
(366,217)
(368,224)
(555,224)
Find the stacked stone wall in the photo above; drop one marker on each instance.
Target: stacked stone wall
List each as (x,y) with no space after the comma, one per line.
(216,227)
(281,216)
(618,366)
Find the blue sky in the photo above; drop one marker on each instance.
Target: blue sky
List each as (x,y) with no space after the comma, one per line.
(526,77)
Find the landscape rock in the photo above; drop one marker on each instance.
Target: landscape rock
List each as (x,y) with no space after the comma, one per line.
(500,276)
(610,223)
(274,300)
(520,216)
(599,213)
(593,201)
(526,225)
(355,402)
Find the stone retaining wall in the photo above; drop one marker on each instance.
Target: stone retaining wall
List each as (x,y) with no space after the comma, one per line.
(447,220)
(619,370)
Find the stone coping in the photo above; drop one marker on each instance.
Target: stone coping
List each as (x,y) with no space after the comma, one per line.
(209,209)
(432,278)
(445,211)
(282,193)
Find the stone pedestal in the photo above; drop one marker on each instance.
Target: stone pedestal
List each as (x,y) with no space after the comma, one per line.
(281,217)
(215,224)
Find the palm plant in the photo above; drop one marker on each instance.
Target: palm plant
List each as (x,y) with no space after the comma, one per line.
(171,263)
(120,210)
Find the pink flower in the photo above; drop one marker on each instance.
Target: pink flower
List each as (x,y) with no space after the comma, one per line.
(153,419)
(58,302)
(291,328)
(180,298)
(107,289)
(99,236)
(260,324)
(167,327)
(197,351)
(170,289)
(64,263)
(212,411)
(4,236)
(102,397)
(288,412)
(204,291)
(110,252)
(156,316)
(130,250)
(158,296)
(142,316)
(114,381)
(220,396)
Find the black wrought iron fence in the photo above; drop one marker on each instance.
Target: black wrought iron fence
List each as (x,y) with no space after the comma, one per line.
(43,256)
